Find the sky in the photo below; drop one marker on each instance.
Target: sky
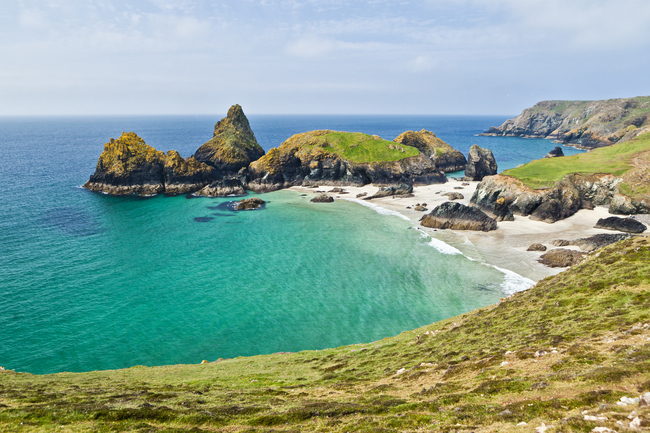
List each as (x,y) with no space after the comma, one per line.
(116,57)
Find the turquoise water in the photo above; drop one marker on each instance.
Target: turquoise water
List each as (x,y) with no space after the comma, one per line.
(90,281)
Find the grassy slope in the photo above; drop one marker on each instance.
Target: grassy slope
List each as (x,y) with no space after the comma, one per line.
(458,375)
(616,159)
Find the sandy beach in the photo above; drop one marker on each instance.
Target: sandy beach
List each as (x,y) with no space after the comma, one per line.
(504,247)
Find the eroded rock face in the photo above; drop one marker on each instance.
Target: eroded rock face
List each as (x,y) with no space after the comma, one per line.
(480,163)
(222,188)
(456,216)
(624,205)
(555,153)
(503,194)
(446,158)
(561,258)
(233,145)
(185,175)
(627,225)
(562,201)
(402,189)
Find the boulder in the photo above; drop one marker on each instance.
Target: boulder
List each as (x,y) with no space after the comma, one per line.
(561,258)
(456,216)
(454,195)
(628,225)
(562,201)
(560,243)
(222,188)
(536,247)
(446,158)
(322,198)
(598,241)
(401,189)
(480,163)
(555,153)
(624,205)
(249,203)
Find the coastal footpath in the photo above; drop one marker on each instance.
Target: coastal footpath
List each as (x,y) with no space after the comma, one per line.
(570,354)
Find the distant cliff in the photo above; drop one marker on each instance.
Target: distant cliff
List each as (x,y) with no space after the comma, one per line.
(586,124)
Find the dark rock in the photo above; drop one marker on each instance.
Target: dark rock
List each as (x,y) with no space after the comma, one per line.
(562,201)
(420,208)
(561,258)
(480,163)
(627,225)
(362,194)
(446,158)
(185,175)
(222,188)
(323,198)
(402,189)
(456,216)
(624,205)
(454,195)
(536,247)
(249,204)
(555,153)
(502,210)
(496,193)
(339,190)
(600,240)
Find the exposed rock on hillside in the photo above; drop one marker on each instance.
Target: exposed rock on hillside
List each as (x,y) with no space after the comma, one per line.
(587,124)
(222,188)
(627,225)
(555,153)
(233,145)
(446,158)
(129,166)
(480,163)
(341,159)
(456,216)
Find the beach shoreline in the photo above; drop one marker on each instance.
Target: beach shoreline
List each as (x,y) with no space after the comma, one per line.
(504,248)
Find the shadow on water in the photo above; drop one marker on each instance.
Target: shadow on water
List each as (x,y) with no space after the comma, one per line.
(72,221)
(203,219)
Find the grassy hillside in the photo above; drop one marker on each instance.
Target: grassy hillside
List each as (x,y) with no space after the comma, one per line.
(575,342)
(617,159)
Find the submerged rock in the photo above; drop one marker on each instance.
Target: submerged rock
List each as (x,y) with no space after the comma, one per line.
(456,216)
(561,258)
(323,198)
(402,189)
(480,163)
(627,225)
(249,204)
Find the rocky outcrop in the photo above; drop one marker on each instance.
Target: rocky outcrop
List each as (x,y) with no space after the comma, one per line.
(323,198)
(600,240)
(129,166)
(233,145)
(624,205)
(222,188)
(561,258)
(402,189)
(340,159)
(587,124)
(453,195)
(536,247)
(249,203)
(480,163)
(456,216)
(627,225)
(562,201)
(446,158)
(555,153)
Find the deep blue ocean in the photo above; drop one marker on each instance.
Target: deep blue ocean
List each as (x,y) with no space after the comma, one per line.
(89,281)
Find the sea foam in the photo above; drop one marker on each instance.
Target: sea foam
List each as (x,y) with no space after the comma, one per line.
(378,209)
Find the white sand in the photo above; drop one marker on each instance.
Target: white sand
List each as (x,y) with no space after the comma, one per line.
(504,247)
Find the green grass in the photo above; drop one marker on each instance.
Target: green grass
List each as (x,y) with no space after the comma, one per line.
(615,159)
(457,374)
(363,148)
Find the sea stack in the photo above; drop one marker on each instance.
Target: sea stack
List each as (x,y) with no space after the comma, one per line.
(446,158)
(480,163)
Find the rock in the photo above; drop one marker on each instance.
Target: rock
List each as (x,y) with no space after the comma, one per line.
(541,429)
(185,175)
(323,198)
(598,241)
(502,210)
(644,399)
(505,413)
(505,195)
(562,201)
(555,153)
(624,205)
(420,208)
(362,194)
(456,216)
(480,163)
(249,204)
(222,188)
(627,225)
(536,247)
(338,190)
(402,189)
(446,158)
(454,195)
(602,430)
(561,258)
(560,243)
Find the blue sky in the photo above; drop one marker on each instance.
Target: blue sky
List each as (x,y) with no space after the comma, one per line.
(318,56)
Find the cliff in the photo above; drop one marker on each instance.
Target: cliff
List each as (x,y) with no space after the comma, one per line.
(586,124)
(340,158)
(570,354)
(233,145)
(446,158)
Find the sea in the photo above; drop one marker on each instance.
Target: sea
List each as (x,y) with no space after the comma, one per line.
(94,282)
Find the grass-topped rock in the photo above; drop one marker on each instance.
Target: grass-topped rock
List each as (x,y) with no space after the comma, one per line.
(340,158)
(446,158)
(562,353)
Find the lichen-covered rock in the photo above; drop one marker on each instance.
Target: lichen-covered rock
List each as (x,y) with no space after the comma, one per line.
(185,175)
(128,166)
(322,198)
(480,163)
(561,258)
(445,157)
(249,203)
(223,188)
(402,189)
(456,216)
(536,247)
(555,153)
(508,194)
(627,225)
(233,145)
